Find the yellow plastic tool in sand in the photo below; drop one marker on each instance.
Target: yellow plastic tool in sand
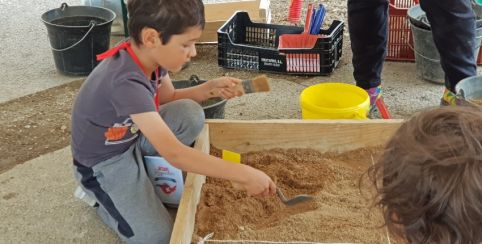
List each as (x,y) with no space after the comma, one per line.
(231,156)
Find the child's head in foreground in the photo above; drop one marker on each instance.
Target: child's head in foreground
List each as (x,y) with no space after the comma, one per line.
(429,178)
(169,27)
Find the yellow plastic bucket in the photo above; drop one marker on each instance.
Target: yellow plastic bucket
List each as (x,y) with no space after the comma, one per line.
(334,101)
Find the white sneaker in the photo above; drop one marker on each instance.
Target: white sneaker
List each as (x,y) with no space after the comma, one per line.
(80,194)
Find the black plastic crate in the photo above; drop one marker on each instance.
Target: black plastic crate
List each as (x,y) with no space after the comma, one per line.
(243,44)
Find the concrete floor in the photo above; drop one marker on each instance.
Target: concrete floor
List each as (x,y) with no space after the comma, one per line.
(36,197)
(27,65)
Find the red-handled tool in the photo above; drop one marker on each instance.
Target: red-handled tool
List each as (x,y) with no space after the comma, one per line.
(309,14)
(303,40)
(383,109)
(294,14)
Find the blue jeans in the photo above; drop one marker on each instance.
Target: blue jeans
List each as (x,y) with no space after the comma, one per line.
(453,29)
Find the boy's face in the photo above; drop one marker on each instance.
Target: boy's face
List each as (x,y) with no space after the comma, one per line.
(179,50)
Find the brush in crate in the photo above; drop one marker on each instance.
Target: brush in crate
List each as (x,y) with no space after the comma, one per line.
(305,40)
(241,42)
(294,13)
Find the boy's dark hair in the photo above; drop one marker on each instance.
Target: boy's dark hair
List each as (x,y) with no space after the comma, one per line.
(429,178)
(169,17)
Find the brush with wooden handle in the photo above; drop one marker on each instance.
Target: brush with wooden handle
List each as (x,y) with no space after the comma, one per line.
(258,84)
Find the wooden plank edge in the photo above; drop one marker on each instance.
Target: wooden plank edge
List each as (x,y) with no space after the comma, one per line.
(210,36)
(210,32)
(186,213)
(304,121)
(322,135)
(222,11)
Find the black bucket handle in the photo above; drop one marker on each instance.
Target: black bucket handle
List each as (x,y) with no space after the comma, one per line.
(63,6)
(194,80)
(91,24)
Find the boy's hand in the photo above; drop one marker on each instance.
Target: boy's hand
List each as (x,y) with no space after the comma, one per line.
(256,182)
(224,87)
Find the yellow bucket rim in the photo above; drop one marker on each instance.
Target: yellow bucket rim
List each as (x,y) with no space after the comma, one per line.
(360,91)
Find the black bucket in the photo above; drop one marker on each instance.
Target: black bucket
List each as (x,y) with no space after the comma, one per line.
(77,34)
(213,107)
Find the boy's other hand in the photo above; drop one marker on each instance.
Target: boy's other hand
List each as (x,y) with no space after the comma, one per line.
(224,87)
(257,183)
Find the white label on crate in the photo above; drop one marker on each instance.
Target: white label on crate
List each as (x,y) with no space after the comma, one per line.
(271,62)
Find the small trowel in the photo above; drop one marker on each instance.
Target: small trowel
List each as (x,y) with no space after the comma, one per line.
(295,200)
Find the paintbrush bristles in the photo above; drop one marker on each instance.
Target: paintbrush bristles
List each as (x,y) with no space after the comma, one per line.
(258,84)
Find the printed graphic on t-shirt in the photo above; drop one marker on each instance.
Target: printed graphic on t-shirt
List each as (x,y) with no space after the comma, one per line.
(121,132)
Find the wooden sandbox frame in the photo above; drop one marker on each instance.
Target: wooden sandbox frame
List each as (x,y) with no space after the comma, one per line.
(246,136)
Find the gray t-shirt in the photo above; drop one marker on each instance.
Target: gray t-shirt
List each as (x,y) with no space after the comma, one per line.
(101,126)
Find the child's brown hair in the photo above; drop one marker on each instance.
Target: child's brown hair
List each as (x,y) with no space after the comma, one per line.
(429,178)
(169,17)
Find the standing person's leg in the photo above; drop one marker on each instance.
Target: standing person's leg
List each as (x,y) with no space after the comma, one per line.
(453,29)
(368,27)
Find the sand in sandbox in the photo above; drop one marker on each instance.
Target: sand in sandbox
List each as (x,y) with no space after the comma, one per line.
(339,213)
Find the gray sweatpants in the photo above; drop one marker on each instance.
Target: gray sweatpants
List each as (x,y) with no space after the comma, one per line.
(127,200)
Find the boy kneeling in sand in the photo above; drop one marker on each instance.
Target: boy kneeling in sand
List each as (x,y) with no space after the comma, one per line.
(130,92)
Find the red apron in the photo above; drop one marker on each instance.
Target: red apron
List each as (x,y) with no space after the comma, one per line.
(127,45)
